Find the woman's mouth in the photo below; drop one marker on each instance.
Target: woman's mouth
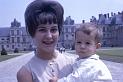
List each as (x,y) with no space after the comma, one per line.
(48,42)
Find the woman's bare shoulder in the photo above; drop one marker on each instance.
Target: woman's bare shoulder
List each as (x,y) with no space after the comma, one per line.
(23,75)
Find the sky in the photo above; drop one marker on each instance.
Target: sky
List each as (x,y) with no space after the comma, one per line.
(78,9)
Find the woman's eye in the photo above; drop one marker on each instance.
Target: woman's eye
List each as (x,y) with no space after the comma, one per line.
(54,30)
(42,30)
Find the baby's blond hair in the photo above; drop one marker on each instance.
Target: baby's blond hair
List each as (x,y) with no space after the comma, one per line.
(91,29)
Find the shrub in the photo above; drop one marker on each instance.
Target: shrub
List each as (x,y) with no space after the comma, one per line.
(3,52)
(16,50)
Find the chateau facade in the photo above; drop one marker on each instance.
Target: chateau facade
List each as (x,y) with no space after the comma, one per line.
(112,25)
(16,36)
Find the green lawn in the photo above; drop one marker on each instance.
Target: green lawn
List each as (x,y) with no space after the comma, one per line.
(11,55)
(110,54)
(111,51)
(5,57)
(114,54)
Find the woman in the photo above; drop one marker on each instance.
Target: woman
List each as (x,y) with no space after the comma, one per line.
(44,19)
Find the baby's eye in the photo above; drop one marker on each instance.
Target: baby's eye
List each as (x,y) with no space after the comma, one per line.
(78,42)
(87,43)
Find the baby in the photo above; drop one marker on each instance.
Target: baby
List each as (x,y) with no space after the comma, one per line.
(88,67)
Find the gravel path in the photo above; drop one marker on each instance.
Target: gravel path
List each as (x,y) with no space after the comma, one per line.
(9,68)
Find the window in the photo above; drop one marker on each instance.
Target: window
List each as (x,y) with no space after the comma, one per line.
(72,29)
(2,39)
(66,37)
(69,29)
(18,39)
(12,39)
(13,46)
(2,46)
(7,46)
(12,32)
(17,32)
(24,39)
(18,45)
(104,29)
(66,29)
(7,39)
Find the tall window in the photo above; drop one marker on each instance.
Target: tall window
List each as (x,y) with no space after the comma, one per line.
(12,32)
(66,29)
(12,39)
(13,46)
(66,37)
(104,29)
(72,29)
(2,46)
(24,39)
(18,39)
(69,30)
(17,32)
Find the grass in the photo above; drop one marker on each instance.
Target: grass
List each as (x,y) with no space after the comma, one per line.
(110,54)
(6,57)
(11,55)
(114,54)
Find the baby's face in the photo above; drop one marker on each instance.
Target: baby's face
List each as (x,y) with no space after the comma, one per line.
(85,45)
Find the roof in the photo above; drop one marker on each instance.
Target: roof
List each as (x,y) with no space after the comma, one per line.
(4,32)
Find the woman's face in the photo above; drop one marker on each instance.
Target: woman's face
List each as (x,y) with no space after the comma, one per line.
(46,37)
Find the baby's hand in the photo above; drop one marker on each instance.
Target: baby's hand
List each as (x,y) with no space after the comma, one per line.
(54,79)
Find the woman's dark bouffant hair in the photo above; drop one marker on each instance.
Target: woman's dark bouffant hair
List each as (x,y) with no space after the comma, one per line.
(43,12)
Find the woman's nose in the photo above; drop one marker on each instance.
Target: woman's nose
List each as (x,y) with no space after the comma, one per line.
(48,34)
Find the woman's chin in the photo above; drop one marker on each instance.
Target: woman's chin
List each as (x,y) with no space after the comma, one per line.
(49,49)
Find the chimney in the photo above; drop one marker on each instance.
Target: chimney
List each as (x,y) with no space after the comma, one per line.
(119,13)
(107,15)
(83,21)
(100,15)
(112,14)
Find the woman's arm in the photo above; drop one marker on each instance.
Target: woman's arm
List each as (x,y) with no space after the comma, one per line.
(23,75)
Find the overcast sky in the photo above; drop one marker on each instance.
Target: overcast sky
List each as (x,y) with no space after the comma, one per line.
(77,9)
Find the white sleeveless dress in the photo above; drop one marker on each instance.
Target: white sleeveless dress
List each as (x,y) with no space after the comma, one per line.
(43,70)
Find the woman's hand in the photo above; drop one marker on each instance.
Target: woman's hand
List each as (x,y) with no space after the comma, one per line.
(54,79)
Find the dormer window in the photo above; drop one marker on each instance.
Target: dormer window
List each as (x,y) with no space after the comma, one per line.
(17,32)
(12,32)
